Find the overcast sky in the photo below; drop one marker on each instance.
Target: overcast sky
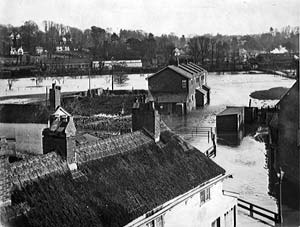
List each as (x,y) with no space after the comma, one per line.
(158,16)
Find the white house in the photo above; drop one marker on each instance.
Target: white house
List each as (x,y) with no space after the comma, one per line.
(205,205)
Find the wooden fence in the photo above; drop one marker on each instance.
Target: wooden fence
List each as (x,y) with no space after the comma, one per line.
(260,211)
(197,131)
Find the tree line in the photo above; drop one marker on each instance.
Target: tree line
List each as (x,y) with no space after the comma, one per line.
(102,44)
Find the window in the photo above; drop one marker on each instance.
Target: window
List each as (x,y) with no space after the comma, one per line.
(204,196)
(158,222)
(216,223)
(150,224)
(183,83)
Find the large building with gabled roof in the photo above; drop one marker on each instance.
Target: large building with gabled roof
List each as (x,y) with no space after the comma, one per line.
(179,89)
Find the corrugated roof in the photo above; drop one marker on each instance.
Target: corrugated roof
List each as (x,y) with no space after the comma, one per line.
(121,187)
(187,69)
(231,111)
(190,68)
(196,66)
(23,113)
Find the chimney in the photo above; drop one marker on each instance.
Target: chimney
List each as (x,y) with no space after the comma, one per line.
(59,137)
(145,116)
(54,97)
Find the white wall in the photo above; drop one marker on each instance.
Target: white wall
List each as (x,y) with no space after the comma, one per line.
(191,214)
(28,136)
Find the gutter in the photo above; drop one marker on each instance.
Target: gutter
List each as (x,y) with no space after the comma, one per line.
(172,203)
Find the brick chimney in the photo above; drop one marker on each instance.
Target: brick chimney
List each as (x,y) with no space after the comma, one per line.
(145,116)
(60,135)
(54,97)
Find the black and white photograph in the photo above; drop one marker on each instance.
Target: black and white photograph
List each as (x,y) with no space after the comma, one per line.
(149,113)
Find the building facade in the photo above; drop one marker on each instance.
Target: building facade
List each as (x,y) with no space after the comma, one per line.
(22,125)
(175,89)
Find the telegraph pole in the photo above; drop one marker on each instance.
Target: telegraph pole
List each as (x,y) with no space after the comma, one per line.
(112,74)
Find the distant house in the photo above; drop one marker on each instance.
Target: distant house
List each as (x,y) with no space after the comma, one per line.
(229,125)
(150,177)
(23,125)
(39,50)
(175,89)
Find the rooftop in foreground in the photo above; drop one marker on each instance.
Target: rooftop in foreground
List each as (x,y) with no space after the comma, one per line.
(121,183)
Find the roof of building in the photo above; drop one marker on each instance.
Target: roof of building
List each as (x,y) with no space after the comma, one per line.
(190,68)
(175,69)
(295,86)
(196,66)
(231,111)
(201,90)
(23,113)
(61,60)
(187,69)
(205,87)
(123,183)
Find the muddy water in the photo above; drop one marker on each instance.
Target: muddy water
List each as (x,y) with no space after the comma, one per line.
(247,162)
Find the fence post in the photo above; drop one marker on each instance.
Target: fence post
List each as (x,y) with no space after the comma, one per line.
(251,210)
(207,136)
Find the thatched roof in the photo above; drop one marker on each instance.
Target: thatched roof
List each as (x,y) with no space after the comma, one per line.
(121,187)
(23,113)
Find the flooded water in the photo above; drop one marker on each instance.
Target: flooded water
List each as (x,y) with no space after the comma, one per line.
(26,86)
(246,162)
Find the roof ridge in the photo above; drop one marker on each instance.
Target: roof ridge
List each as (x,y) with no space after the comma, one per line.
(110,146)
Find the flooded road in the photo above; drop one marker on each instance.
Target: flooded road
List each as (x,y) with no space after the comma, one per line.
(246,162)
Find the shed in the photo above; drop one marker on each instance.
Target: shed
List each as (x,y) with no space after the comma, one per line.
(201,97)
(230,120)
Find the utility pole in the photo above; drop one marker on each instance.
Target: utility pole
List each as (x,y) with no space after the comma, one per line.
(90,78)
(112,73)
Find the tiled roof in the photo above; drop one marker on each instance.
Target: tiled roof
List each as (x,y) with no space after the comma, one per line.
(176,69)
(126,177)
(180,71)
(22,172)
